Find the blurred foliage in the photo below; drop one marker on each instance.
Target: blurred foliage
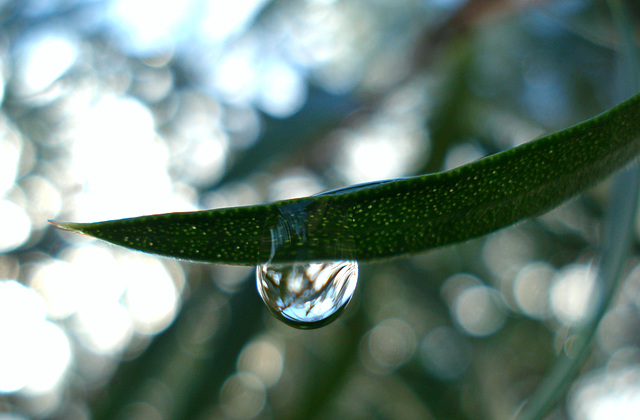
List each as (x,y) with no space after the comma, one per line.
(102,118)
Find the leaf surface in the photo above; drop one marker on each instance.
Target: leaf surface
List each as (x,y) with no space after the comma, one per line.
(397,217)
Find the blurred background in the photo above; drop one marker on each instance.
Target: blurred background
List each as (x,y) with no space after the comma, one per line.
(114,108)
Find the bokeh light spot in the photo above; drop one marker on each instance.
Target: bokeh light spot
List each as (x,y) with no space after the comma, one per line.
(462,154)
(15,226)
(444,353)
(380,151)
(531,289)
(479,311)
(284,91)
(507,251)
(389,345)
(45,200)
(263,359)
(243,396)
(293,184)
(573,293)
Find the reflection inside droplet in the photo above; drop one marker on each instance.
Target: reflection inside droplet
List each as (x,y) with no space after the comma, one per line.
(307,295)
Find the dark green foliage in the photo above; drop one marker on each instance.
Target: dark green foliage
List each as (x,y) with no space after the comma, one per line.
(404,216)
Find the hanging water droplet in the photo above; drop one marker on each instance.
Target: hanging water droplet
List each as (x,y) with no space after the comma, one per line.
(308,295)
(302,294)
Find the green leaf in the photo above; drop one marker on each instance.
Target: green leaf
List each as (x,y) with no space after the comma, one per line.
(397,217)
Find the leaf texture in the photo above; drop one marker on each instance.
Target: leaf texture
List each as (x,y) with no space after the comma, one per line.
(396,217)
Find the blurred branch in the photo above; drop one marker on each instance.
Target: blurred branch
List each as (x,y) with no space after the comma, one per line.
(471,14)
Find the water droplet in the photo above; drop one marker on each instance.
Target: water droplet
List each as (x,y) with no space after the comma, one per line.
(307,295)
(303,294)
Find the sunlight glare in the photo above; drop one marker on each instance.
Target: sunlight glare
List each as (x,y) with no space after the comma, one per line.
(57,283)
(104,328)
(121,163)
(129,293)
(378,152)
(150,25)
(151,296)
(607,395)
(235,75)
(35,353)
(43,57)
(102,323)
(224,18)
(52,361)
(15,226)
(391,144)
(10,153)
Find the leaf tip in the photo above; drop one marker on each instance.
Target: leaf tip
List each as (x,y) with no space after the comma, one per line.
(66,226)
